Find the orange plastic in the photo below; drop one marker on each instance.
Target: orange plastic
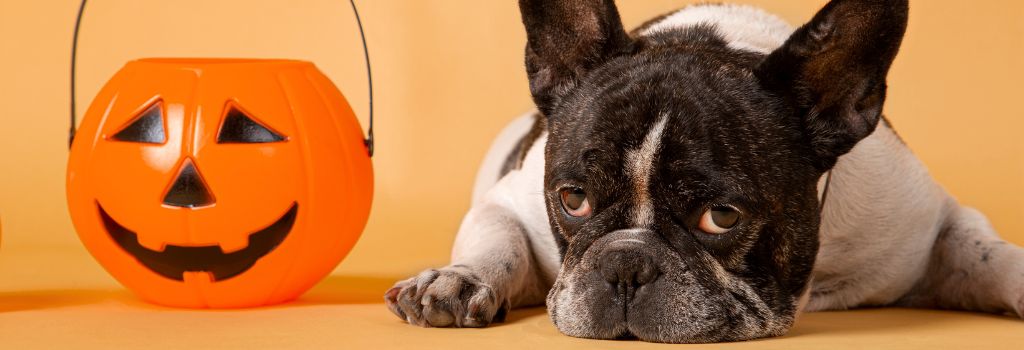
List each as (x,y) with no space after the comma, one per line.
(321,166)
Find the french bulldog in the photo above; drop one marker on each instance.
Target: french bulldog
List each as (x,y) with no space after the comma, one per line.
(706,178)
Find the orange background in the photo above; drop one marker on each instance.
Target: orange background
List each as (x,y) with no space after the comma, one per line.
(449,75)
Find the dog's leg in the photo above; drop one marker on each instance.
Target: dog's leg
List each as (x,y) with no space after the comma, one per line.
(492,270)
(971,268)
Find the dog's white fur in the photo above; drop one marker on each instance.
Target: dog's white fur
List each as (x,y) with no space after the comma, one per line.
(743,27)
(639,164)
(889,235)
(883,216)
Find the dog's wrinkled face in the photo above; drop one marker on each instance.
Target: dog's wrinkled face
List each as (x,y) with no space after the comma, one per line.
(701,219)
(681,174)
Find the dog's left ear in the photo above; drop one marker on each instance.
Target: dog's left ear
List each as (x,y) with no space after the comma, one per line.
(834,69)
(565,39)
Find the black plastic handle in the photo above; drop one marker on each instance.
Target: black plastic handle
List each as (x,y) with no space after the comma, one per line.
(362,36)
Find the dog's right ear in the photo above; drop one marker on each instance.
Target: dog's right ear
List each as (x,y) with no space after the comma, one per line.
(835,67)
(565,40)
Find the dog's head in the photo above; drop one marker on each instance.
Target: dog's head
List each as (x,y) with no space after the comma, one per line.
(681,174)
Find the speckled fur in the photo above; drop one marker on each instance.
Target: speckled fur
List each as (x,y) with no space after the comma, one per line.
(889,235)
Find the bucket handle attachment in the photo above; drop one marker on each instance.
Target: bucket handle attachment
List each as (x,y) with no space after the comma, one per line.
(368,141)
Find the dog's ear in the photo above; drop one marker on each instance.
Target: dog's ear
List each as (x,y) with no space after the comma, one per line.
(834,69)
(565,40)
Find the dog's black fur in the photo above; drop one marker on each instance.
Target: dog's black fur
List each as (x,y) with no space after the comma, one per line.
(744,129)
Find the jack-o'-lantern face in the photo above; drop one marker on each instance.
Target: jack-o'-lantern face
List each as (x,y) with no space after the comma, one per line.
(219,183)
(189,190)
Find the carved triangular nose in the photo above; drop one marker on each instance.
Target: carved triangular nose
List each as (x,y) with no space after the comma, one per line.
(188,190)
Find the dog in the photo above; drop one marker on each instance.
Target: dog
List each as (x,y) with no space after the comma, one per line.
(706,178)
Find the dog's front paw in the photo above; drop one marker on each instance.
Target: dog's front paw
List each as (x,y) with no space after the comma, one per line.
(450,297)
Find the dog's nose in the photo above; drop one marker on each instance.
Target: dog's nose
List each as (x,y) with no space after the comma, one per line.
(627,267)
(189,189)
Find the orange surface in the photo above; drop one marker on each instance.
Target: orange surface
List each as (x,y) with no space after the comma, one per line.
(449,75)
(78,306)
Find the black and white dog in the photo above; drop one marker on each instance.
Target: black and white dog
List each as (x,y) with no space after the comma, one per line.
(671,186)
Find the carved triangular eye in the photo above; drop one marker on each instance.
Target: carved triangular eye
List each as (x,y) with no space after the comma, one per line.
(240,128)
(148,127)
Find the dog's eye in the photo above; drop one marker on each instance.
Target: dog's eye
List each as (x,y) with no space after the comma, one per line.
(719,219)
(575,202)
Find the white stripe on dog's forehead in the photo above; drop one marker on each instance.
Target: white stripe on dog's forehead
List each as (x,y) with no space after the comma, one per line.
(639,165)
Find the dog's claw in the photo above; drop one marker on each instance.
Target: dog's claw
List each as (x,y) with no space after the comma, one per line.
(447,297)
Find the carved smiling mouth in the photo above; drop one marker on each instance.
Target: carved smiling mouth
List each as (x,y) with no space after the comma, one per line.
(174,260)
